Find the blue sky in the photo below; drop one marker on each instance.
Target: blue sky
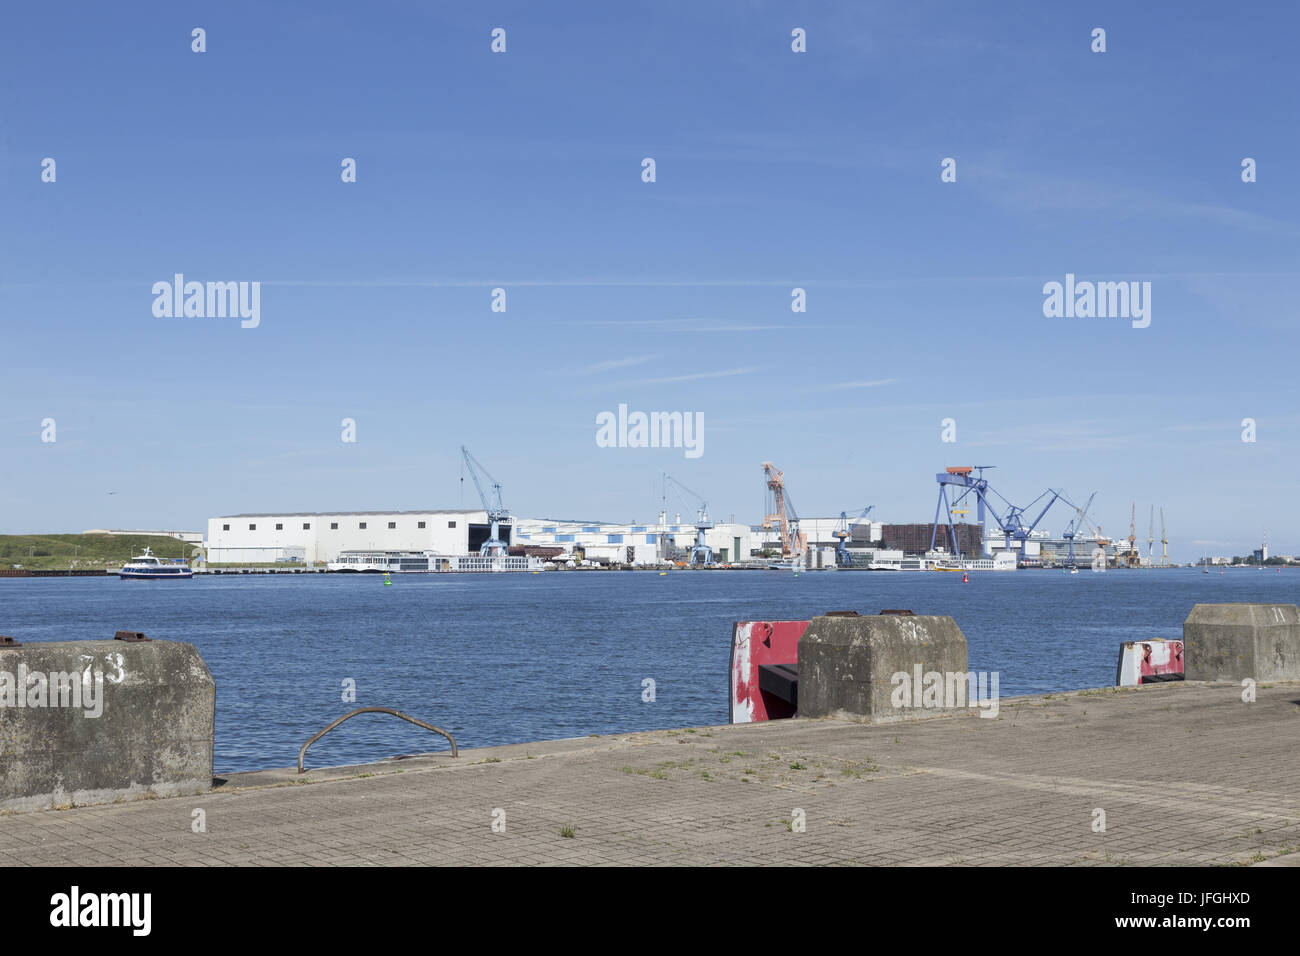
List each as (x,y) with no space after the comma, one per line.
(522,170)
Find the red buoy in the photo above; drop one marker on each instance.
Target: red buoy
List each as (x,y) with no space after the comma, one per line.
(965,578)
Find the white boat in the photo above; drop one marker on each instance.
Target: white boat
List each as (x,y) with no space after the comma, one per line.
(429,562)
(940,561)
(151,567)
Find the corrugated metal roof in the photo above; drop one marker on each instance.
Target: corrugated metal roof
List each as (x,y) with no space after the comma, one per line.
(344,514)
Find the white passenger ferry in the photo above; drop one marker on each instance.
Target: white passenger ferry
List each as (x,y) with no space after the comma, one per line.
(149,566)
(1001,561)
(428,562)
(940,561)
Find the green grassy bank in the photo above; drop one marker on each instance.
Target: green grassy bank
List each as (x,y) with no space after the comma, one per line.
(40,552)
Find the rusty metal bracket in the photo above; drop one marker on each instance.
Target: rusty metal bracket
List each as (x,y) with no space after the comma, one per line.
(842,614)
(7,641)
(893,610)
(374,710)
(131,637)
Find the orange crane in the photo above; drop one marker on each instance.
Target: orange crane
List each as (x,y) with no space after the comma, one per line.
(1133,560)
(782,514)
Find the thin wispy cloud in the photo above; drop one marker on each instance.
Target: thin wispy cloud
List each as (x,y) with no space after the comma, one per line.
(694,325)
(842,386)
(612,364)
(694,377)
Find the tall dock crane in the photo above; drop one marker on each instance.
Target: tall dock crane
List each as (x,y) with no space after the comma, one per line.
(701,555)
(1133,558)
(1011,522)
(781,513)
(843,531)
(1099,556)
(1151,536)
(1164,542)
(1072,529)
(496,511)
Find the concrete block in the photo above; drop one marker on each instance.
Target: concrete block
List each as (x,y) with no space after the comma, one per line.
(1235,641)
(848,666)
(85,722)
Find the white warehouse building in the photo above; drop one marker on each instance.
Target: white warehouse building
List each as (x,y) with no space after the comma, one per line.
(318,537)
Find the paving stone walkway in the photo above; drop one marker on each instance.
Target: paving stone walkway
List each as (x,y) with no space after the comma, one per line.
(1186,774)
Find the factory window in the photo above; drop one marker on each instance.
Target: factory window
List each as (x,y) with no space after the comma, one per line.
(651,538)
(391,525)
(252,527)
(279,527)
(362,526)
(614,539)
(225,527)
(334,526)
(306,526)
(592,530)
(419,524)
(564,537)
(550,530)
(451,524)
(639,527)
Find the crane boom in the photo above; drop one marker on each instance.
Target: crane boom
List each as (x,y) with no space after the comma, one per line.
(1072,529)
(496,511)
(701,554)
(843,532)
(782,513)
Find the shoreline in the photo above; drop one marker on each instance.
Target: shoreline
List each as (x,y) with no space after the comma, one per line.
(215,572)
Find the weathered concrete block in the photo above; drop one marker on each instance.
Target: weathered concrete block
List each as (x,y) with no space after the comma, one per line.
(86,722)
(848,666)
(1234,641)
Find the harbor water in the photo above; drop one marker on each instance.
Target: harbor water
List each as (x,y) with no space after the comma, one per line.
(512,658)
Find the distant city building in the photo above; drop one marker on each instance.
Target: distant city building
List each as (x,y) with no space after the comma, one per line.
(639,543)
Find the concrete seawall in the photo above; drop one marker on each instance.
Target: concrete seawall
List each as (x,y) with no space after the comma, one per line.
(98,721)
(1185,774)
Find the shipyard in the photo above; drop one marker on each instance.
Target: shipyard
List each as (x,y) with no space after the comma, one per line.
(357,513)
(975,528)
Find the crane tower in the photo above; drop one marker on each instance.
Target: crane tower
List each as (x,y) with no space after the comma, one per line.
(496,511)
(781,513)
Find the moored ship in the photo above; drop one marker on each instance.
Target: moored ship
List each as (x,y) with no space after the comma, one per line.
(149,566)
(427,562)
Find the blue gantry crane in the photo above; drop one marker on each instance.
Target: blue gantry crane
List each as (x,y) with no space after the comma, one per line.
(843,532)
(1010,518)
(1078,521)
(701,554)
(496,511)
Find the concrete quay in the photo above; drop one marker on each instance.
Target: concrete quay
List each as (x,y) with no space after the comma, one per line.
(1187,774)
